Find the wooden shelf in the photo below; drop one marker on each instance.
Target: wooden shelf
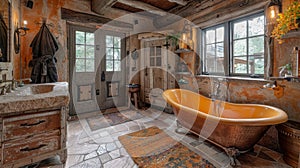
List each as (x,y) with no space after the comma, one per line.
(183,73)
(292,34)
(183,51)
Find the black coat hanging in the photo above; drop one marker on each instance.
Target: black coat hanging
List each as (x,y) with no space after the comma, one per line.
(44,46)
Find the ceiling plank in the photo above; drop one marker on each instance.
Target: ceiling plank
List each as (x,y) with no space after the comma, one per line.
(232,11)
(75,16)
(100,6)
(195,11)
(144,6)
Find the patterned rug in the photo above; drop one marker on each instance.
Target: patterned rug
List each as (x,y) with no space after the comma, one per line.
(111,119)
(153,148)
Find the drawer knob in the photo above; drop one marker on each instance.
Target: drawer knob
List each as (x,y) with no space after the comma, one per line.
(31,149)
(33,124)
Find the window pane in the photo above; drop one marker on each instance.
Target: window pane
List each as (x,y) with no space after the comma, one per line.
(90,38)
(109,65)
(109,53)
(220,64)
(256,65)
(80,65)
(239,30)
(117,42)
(210,50)
(220,34)
(210,64)
(80,39)
(158,50)
(220,50)
(117,54)
(90,52)
(80,51)
(109,41)
(210,36)
(152,61)
(158,61)
(256,46)
(90,65)
(117,66)
(256,26)
(240,65)
(151,51)
(239,47)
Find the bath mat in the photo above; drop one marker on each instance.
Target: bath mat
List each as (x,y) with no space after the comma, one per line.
(111,119)
(153,148)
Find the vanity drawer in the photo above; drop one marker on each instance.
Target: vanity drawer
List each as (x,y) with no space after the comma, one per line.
(35,146)
(27,125)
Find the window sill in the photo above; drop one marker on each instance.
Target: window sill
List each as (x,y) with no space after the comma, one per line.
(233,77)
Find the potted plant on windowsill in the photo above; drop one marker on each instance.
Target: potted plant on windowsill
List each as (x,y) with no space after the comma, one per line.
(287,21)
(174,39)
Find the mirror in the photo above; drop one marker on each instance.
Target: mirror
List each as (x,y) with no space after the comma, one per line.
(4,31)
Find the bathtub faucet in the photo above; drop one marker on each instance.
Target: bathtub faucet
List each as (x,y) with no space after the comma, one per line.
(270,85)
(278,89)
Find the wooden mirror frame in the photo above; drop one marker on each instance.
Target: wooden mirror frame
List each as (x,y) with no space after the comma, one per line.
(7,19)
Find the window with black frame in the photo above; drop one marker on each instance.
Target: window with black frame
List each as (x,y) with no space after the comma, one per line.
(235,48)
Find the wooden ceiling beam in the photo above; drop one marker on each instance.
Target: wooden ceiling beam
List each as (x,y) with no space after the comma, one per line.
(100,6)
(179,2)
(80,17)
(143,6)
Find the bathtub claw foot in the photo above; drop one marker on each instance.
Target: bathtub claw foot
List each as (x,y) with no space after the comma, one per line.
(180,129)
(232,154)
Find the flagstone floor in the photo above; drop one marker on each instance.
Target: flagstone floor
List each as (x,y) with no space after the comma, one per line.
(102,149)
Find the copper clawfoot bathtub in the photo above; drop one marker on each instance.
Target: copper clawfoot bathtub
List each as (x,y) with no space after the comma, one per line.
(236,128)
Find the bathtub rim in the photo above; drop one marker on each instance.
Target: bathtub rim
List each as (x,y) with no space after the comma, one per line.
(281,116)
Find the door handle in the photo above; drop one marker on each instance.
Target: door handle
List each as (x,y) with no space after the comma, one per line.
(102,76)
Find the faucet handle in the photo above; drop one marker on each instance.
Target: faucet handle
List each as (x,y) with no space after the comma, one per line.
(8,88)
(3,91)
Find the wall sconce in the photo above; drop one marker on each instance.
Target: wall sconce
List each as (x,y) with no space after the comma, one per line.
(272,11)
(186,36)
(21,31)
(29,4)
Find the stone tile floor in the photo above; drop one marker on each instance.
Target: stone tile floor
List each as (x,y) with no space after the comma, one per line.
(102,149)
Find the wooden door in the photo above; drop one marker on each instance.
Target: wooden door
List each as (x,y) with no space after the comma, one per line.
(158,69)
(82,69)
(110,78)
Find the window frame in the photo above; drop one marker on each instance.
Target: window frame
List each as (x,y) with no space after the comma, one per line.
(155,56)
(246,18)
(85,44)
(228,46)
(113,60)
(204,58)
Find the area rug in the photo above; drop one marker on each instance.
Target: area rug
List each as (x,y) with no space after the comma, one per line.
(111,119)
(153,148)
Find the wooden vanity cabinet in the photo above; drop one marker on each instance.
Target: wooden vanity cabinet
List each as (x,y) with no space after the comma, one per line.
(31,136)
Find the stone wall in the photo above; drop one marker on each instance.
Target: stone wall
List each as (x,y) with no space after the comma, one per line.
(50,11)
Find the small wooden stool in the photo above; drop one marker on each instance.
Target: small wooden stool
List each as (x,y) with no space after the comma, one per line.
(133,91)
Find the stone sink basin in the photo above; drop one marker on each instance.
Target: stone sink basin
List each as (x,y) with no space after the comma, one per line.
(37,89)
(35,96)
